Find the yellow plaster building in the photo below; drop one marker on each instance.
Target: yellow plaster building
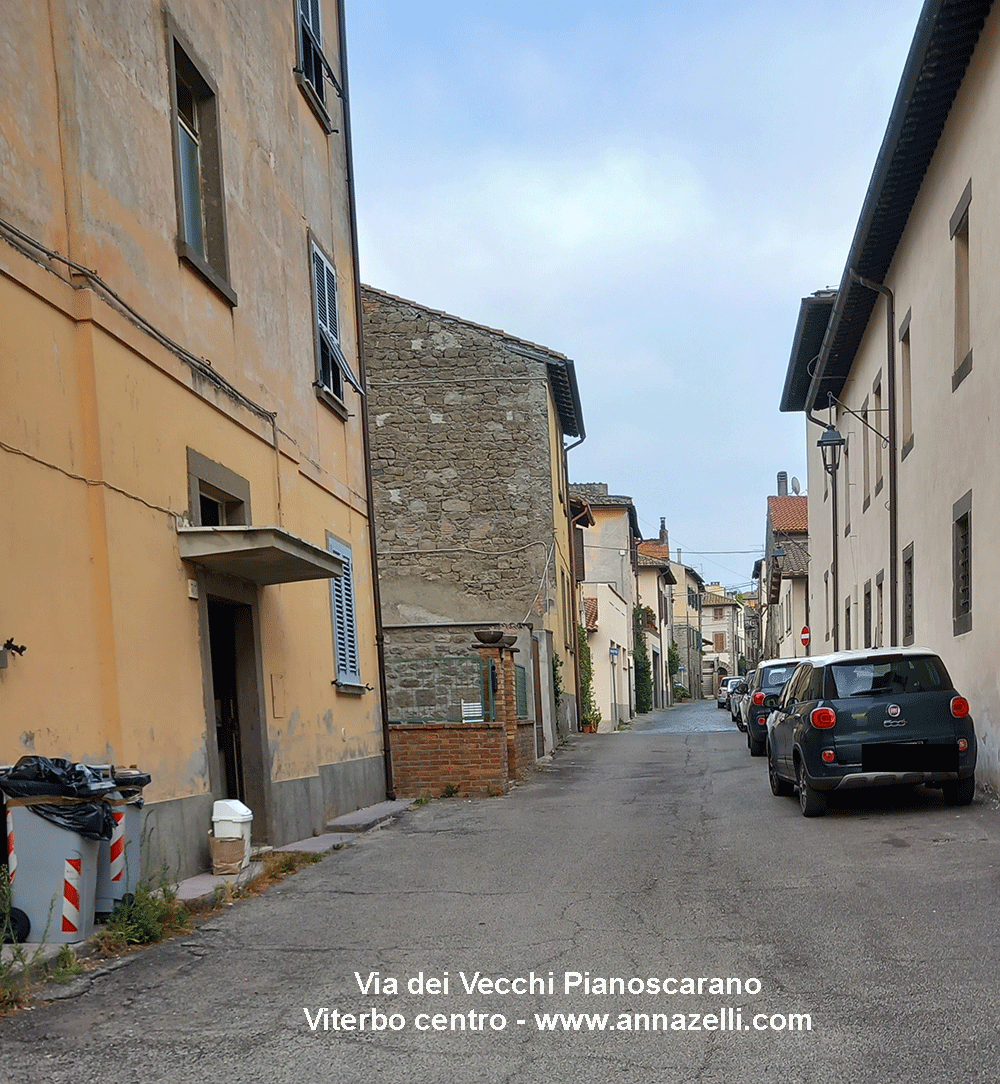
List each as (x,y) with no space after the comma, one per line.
(187,553)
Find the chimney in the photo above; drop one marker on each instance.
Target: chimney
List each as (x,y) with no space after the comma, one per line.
(664,541)
(782,483)
(680,559)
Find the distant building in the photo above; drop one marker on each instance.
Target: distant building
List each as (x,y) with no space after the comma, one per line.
(611,563)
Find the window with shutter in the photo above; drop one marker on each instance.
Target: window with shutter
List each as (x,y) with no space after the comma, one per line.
(345,632)
(311,47)
(332,370)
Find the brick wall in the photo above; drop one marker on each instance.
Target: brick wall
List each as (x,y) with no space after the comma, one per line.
(428,757)
(525,744)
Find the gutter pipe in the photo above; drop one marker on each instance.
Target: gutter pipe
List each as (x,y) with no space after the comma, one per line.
(890,363)
(362,375)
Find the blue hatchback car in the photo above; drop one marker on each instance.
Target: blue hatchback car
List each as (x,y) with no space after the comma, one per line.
(870,719)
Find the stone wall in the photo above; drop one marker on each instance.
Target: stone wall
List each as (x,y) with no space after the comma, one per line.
(461,465)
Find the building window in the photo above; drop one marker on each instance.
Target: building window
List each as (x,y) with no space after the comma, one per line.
(345,631)
(332,370)
(962,563)
(720,641)
(878,610)
(866,435)
(201,217)
(959,227)
(908,595)
(907,385)
(313,70)
(882,426)
(868,614)
(717,613)
(847,485)
(826,601)
(847,624)
(217,496)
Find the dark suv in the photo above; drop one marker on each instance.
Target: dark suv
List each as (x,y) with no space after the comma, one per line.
(768,680)
(870,719)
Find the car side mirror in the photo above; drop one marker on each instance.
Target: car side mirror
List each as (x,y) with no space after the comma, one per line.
(742,687)
(770,702)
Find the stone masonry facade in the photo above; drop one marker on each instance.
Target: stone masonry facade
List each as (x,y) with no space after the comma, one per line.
(461,465)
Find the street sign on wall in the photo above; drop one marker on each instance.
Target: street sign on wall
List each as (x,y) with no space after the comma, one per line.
(805,636)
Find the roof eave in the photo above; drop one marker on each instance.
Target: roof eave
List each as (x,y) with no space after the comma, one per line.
(942,46)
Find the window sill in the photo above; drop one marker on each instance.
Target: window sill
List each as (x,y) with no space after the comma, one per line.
(188,255)
(336,405)
(962,371)
(907,448)
(310,95)
(350,688)
(962,625)
(878,487)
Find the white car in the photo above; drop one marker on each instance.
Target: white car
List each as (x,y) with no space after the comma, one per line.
(736,697)
(726,688)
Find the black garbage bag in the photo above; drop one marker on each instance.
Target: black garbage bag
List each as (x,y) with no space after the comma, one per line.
(82,809)
(130,782)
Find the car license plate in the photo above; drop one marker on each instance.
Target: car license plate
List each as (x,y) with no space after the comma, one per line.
(909,757)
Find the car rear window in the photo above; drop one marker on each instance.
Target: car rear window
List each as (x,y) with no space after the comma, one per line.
(776,676)
(875,677)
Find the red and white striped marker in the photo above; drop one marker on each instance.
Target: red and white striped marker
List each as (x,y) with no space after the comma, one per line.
(11,853)
(71,895)
(118,847)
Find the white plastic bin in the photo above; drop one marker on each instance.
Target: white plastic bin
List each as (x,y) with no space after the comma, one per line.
(230,820)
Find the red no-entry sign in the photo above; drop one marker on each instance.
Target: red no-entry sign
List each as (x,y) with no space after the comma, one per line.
(805,636)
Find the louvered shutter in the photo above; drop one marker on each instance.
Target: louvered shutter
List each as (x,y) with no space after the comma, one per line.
(345,631)
(309,10)
(325,284)
(328,328)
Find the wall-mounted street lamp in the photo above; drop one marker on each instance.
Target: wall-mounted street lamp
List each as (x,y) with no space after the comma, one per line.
(831,444)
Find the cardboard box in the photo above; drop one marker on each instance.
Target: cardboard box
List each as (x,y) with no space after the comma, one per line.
(227,855)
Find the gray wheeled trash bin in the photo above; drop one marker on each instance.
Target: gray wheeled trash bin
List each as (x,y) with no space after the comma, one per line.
(53,846)
(119,860)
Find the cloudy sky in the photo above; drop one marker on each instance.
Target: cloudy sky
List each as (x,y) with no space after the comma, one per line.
(647,187)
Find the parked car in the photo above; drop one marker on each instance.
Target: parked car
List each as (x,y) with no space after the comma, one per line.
(736,699)
(726,687)
(768,680)
(870,719)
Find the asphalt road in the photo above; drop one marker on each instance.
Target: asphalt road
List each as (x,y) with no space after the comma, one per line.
(657,853)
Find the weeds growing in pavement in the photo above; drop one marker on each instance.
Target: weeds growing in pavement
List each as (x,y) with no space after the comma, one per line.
(144,918)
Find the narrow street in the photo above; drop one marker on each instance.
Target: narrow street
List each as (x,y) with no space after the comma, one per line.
(658,852)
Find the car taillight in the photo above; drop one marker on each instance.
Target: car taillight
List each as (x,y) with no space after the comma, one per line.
(829,756)
(963,745)
(959,707)
(823,718)
(758,699)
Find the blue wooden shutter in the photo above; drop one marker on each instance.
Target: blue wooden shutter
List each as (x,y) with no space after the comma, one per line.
(345,629)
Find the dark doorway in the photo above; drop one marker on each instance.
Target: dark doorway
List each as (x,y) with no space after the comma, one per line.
(222,635)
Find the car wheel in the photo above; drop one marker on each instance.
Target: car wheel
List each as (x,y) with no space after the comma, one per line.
(812,802)
(780,788)
(756,747)
(960,793)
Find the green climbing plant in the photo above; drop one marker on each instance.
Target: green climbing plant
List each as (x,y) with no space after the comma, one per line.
(589,711)
(643,667)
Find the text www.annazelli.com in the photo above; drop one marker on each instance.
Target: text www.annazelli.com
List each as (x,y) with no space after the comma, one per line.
(727,1019)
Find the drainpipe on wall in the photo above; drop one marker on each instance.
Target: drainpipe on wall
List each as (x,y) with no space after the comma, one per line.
(890,364)
(362,374)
